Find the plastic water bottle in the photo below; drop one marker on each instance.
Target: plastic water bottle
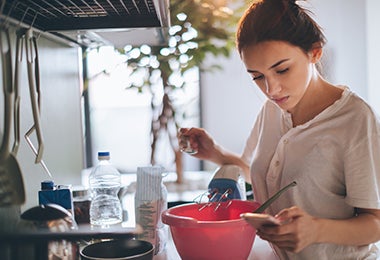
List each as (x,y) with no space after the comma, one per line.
(105,181)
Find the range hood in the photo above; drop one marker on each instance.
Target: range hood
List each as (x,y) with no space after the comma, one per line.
(95,22)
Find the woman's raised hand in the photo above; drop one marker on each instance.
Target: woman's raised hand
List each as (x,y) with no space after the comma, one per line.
(197,142)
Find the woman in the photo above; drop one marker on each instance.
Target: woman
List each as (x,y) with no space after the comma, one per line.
(322,136)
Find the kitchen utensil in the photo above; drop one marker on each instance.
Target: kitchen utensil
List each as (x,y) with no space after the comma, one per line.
(20,36)
(266,204)
(11,183)
(130,249)
(215,198)
(35,97)
(42,163)
(210,234)
(34,89)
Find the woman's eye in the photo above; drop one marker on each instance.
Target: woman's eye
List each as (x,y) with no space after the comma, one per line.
(282,71)
(257,77)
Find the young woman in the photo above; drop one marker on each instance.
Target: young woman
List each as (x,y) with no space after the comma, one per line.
(322,136)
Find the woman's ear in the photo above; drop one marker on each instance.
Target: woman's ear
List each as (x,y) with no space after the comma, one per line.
(316,53)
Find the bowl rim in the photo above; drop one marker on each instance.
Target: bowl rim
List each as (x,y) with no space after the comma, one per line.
(190,222)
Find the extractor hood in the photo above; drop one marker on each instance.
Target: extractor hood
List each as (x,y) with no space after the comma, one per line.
(95,22)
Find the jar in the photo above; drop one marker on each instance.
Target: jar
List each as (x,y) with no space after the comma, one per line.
(82,202)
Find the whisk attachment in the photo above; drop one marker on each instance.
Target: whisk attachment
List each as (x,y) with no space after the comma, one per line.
(222,189)
(204,200)
(224,197)
(214,198)
(219,191)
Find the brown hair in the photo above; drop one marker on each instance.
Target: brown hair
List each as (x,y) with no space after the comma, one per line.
(281,20)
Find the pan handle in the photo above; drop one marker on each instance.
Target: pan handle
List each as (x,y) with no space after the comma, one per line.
(34,88)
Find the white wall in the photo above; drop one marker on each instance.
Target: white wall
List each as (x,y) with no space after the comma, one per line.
(230,101)
(60,118)
(373,54)
(344,24)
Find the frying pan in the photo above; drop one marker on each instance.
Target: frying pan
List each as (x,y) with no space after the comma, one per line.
(12,190)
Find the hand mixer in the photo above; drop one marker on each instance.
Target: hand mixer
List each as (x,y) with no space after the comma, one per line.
(224,186)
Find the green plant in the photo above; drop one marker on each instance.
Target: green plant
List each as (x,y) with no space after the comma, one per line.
(199,28)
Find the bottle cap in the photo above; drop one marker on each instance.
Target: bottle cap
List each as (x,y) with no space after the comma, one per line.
(47,185)
(103,155)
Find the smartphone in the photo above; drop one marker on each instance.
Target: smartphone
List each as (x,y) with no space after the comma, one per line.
(259,220)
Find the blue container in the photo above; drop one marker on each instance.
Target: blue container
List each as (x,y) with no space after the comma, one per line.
(51,193)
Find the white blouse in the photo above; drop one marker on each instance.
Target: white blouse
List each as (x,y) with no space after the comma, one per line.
(334,158)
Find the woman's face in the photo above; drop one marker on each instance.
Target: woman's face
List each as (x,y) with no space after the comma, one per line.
(282,71)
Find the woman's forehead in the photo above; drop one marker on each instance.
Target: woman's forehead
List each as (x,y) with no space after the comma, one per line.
(267,54)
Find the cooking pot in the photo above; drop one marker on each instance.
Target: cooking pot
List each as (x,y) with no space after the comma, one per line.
(118,249)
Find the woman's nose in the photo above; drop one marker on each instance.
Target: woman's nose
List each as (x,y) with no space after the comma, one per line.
(272,87)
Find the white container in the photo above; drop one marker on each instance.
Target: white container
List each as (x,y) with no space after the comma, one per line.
(150,202)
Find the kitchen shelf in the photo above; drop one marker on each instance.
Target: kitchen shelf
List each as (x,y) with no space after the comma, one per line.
(61,15)
(93,23)
(84,232)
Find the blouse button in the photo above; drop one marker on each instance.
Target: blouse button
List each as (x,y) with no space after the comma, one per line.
(277,163)
(286,141)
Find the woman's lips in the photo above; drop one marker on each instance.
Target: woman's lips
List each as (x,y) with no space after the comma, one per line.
(280,100)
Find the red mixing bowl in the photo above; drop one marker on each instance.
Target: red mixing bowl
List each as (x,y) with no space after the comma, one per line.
(208,233)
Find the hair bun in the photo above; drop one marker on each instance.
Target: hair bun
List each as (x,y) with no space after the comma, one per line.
(284,3)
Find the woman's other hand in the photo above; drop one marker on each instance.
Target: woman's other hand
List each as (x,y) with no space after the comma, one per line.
(297,230)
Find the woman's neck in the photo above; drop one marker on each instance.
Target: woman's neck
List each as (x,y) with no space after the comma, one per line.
(319,96)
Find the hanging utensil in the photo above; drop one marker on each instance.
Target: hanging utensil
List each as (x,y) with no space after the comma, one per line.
(35,96)
(19,52)
(12,190)
(33,79)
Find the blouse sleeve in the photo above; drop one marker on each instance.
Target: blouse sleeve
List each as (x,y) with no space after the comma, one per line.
(362,167)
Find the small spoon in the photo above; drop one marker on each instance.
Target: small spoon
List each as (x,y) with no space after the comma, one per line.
(266,204)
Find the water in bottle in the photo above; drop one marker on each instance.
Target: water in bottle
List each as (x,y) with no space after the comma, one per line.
(105,183)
